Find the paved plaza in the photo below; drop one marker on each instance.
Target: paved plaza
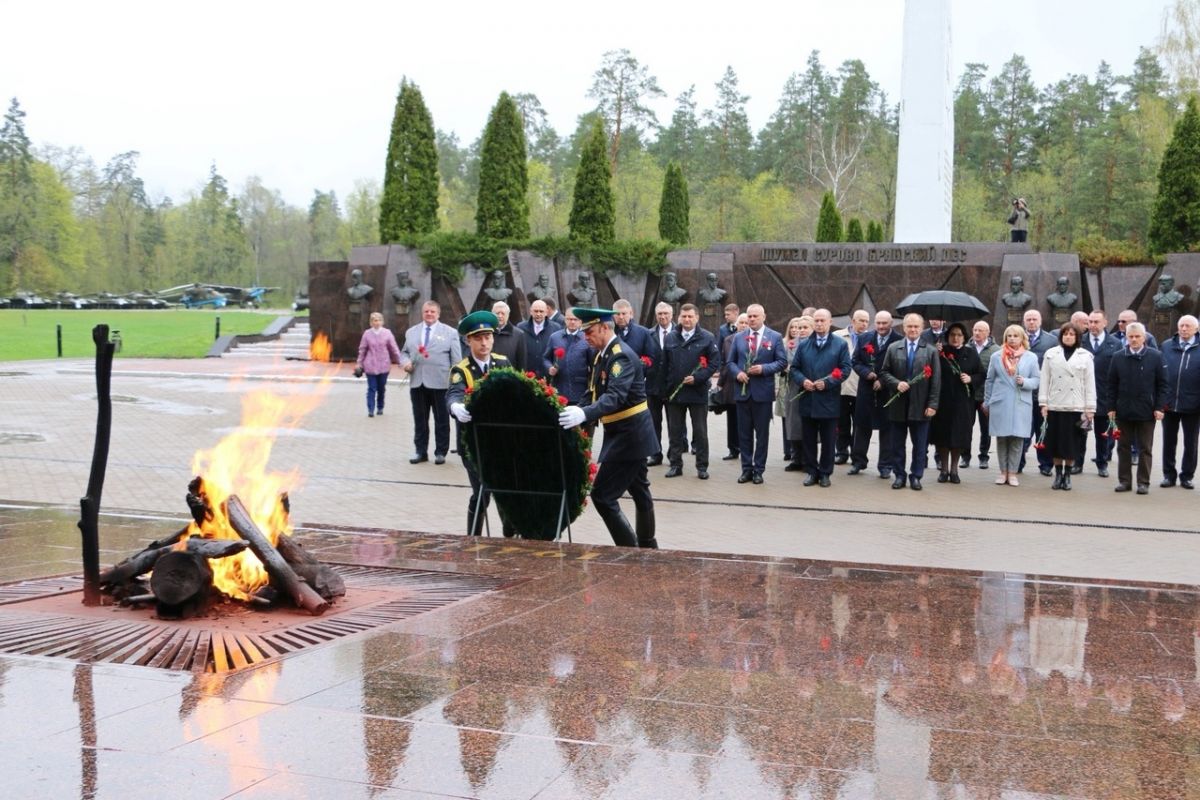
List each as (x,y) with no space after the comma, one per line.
(968,641)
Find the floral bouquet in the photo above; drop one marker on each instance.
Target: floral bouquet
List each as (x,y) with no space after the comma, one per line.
(421,349)
(746,369)
(1112,431)
(836,375)
(702,365)
(925,374)
(1040,443)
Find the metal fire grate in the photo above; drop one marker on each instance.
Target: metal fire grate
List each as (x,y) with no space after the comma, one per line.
(194,646)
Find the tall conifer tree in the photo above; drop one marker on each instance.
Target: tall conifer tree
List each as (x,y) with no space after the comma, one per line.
(829,221)
(502,210)
(593,214)
(673,212)
(1175,225)
(410,181)
(854,230)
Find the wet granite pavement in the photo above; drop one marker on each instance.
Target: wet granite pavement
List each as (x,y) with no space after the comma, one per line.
(608,673)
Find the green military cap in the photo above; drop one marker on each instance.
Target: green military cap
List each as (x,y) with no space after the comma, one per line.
(478,322)
(591,316)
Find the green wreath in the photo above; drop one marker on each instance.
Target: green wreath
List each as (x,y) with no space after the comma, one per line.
(514,424)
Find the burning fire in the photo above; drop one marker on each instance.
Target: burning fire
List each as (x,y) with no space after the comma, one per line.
(238,464)
(320,348)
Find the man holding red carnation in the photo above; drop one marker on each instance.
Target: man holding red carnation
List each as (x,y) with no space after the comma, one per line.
(912,377)
(690,358)
(820,366)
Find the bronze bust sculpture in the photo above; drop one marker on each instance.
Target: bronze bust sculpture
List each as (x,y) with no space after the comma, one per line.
(357,289)
(1168,297)
(1062,297)
(404,293)
(672,292)
(711,292)
(583,293)
(497,290)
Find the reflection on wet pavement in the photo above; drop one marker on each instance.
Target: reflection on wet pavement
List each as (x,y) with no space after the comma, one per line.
(610,673)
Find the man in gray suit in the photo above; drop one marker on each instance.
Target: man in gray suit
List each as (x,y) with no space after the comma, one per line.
(430,349)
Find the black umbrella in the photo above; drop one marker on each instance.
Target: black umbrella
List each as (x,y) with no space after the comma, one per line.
(944,305)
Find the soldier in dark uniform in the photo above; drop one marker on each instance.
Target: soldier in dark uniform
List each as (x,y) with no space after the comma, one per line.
(618,400)
(479,330)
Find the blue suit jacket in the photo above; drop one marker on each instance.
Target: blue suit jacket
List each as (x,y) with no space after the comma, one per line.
(813,363)
(771,354)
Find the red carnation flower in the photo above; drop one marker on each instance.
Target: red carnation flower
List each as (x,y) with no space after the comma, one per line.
(949,356)
(836,374)
(562,400)
(646,360)
(549,390)
(703,362)
(927,371)
(559,352)
(530,375)
(869,349)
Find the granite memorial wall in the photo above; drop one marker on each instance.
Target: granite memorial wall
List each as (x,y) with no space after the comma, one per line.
(785,277)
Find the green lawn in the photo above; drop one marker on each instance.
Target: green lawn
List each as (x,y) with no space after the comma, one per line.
(173,333)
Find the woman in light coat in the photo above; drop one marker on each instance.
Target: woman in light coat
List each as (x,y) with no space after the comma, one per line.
(1067,396)
(1012,379)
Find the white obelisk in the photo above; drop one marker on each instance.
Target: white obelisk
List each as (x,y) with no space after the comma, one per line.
(925,164)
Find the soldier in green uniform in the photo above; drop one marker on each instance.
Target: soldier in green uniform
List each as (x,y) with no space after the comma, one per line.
(478,329)
(618,400)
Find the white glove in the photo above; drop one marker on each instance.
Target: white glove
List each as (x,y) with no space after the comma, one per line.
(571,416)
(460,412)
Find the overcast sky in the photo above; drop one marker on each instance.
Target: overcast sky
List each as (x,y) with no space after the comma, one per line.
(301,93)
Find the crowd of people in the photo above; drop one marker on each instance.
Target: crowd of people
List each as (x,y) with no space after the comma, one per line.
(916,386)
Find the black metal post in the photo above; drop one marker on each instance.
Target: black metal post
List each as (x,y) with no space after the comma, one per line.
(58,334)
(217,335)
(89,521)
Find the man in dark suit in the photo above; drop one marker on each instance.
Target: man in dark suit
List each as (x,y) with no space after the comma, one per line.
(756,356)
(628,331)
(478,329)
(915,398)
(656,392)
(935,334)
(509,342)
(689,360)
(569,372)
(869,413)
(821,364)
(537,330)
(618,401)
(1137,380)
(1182,359)
(729,327)
(1103,346)
(1124,319)
(1039,342)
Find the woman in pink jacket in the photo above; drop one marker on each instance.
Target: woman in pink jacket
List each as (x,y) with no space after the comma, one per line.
(377,351)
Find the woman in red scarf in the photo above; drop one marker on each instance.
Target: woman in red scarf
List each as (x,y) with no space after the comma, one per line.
(1012,378)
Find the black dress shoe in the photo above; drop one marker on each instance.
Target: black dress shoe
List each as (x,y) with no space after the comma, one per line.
(757,479)
(674,472)
(1122,487)
(417,459)
(1186,483)
(840,459)
(744,477)
(439,459)
(654,461)
(731,456)
(1143,488)
(1102,472)
(1058,481)
(702,474)
(795,466)
(1077,469)
(1046,471)
(885,474)
(943,477)
(1167,483)
(954,478)
(856,469)
(983,462)
(1066,482)
(898,483)
(915,483)
(824,481)
(811,480)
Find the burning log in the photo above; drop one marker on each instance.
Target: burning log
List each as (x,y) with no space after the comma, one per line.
(180,583)
(282,574)
(142,562)
(319,576)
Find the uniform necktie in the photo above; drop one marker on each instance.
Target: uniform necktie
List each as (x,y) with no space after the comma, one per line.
(484,368)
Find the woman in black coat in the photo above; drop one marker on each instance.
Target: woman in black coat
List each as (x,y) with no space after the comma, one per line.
(950,431)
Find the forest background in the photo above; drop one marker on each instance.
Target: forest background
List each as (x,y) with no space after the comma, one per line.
(1084,151)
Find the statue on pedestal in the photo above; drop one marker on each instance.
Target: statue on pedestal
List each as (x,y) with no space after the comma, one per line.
(672,292)
(1168,297)
(1062,300)
(357,291)
(498,289)
(404,292)
(711,292)
(583,293)
(1017,300)
(542,289)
